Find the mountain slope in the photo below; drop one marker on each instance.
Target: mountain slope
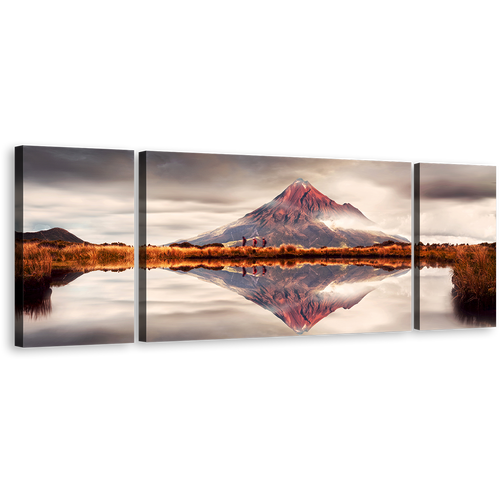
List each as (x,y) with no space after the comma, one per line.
(303,216)
(53,234)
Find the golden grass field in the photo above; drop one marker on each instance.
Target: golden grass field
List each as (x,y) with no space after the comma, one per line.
(36,259)
(152,256)
(474,266)
(474,277)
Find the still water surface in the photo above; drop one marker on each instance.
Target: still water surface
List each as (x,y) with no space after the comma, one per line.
(310,299)
(437,309)
(96,307)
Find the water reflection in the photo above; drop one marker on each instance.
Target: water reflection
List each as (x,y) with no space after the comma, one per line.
(35,302)
(474,319)
(299,295)
(438,310)
(475,313)
(73,307)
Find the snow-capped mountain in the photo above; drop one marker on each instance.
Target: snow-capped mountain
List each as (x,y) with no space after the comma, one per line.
(303,216)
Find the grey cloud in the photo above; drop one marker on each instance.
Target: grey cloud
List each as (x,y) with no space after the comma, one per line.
(169,207)
(457,203)
(188,175)
(89,192)
(66,166)
(458,190)
(195,193)
(461,182)
(169,227)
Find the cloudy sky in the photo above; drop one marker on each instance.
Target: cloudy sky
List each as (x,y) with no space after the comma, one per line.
(189,193)
(89,192)
(457,203)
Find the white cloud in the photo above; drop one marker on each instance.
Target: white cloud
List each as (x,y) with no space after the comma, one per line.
(456,221)
(92,216)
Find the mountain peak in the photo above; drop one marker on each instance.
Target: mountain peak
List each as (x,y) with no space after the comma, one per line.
(299,185)
(300,215)
(303,195)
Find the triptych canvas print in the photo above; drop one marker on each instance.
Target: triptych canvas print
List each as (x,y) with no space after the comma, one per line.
(234,246)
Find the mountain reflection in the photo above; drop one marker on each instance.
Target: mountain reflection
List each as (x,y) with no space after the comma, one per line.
(301,295)
(34,297)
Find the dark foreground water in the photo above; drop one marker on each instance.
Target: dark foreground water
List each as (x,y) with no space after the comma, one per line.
(437,308)
(274,301)
(97,307)
(75,308)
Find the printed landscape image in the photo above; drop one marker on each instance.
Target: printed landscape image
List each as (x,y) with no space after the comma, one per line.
(456,246)
(244,246)
(74,246)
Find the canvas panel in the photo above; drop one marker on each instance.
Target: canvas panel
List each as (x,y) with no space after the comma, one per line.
(74,246)
(236,246)
(455,232)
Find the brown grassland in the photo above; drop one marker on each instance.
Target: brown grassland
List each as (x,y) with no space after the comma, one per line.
(474,277)
(474,266)
(153,256)
(36,259)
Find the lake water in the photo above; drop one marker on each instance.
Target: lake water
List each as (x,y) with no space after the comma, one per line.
(76,308)
(97,307)
(437,310)
(274,301)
